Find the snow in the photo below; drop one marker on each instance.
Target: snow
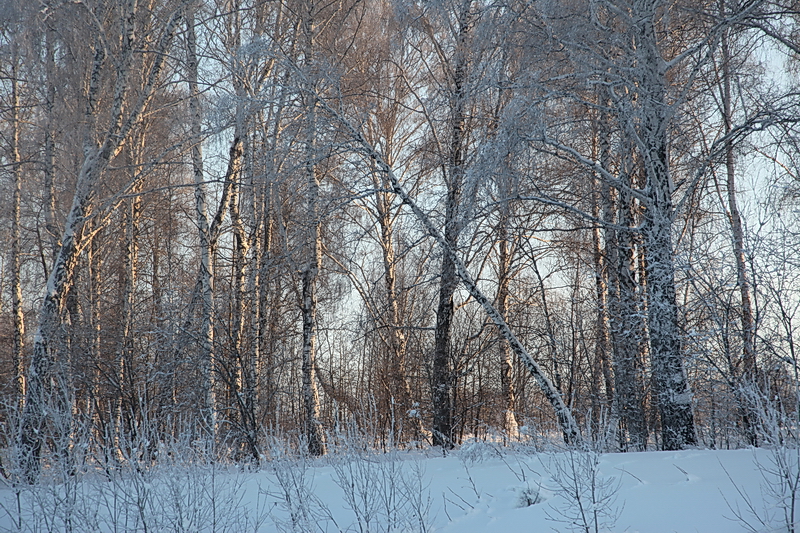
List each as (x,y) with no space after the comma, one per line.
(478,488)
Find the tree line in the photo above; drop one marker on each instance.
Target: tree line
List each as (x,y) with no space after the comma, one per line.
(231,220)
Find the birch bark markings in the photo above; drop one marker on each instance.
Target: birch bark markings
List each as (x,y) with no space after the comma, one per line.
(602,209)
(397,341)
(628,54)
(127,405)
(16,239)
(504,276)
(206,274)
(312,250)
(237,368)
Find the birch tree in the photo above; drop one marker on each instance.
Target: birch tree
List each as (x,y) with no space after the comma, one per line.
(377,75)
(312,18)
(16,231)
(206,250)
(743,369)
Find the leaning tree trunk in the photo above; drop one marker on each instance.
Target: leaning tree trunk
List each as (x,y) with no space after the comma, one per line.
(35,412)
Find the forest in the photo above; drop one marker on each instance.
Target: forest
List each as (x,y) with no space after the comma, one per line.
(228,223)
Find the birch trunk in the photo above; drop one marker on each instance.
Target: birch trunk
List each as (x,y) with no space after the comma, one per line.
(510,424)
(453,170)
(239,378)
(39,373)
(310,271)
(240,367)
(312,258)
(16,243)
(448,280)
(602,403)
(673,396)
(397,340)
(602,209)
(208,408)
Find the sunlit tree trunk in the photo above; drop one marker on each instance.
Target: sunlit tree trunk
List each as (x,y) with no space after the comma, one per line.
(563,414)
(396,338)
(16,240)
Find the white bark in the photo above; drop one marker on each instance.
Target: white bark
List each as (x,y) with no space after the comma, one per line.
(602,209)
(501,302)
(16,241)
(395,338)
(312,255)
(208,408)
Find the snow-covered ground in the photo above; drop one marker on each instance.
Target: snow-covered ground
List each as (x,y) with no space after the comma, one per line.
(479,488)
